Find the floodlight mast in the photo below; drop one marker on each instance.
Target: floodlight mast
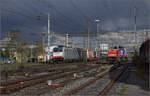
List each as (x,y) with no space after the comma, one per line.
(48,36)
(97,26)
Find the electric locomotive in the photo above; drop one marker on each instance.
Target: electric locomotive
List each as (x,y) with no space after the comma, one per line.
(117,54)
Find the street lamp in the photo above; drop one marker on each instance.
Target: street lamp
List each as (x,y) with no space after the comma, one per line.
(97,26)
(48,42)
(48,35)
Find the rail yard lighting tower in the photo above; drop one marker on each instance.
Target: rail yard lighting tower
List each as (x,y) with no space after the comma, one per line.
(48,36)
(97,27)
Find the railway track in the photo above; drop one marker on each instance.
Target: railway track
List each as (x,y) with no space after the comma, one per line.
(22,71)
(55,71)
(16,85)
(98,86)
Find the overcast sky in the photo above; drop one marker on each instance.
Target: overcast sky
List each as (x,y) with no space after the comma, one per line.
(73,15)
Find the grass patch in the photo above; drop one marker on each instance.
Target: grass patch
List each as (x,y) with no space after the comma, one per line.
(123,89)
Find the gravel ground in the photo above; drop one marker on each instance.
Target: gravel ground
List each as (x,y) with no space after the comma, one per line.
(35,90)
(43,87)
(62,90)
(71,85)
(97,87)
(130,85)
(94,89)
(14,77)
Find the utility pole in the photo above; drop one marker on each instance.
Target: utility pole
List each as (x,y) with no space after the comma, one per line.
(135,34)
(43,42)
(84,31)
(67,40)
(89,26)
(48,43)
(0,24)
(88,38)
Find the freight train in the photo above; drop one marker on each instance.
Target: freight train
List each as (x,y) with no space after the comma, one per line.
(145,53)
(69,54)
(117,54)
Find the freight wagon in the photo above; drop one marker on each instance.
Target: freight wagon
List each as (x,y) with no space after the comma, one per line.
(145,52)
(69,54)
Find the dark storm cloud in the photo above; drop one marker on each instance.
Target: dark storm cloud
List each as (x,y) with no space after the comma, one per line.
(72,15)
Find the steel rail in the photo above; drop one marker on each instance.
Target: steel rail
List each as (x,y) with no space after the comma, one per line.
(27,79)
(19,85)
(111,84)
(104,92)
(86,84)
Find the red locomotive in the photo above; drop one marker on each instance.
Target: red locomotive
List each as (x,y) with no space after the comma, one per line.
(117,54)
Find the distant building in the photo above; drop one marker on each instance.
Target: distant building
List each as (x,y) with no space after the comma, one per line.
(5,42)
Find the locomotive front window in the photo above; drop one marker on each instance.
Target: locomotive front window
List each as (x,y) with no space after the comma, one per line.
(57,50)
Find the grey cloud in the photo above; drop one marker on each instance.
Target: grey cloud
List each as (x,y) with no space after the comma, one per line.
(68,15)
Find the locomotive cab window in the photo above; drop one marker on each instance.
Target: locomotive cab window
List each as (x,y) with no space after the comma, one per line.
(59,49)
